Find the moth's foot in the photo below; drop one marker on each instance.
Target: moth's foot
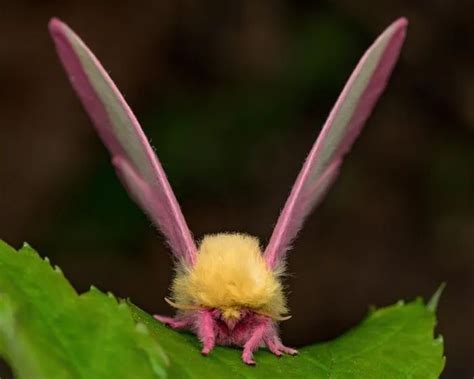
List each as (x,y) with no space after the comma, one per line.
(288,350)
(279,349)
(247,358)
(208,343)
(206,350)
(171,322)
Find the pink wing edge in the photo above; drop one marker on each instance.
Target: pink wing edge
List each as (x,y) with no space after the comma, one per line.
(287,228)
(181,243)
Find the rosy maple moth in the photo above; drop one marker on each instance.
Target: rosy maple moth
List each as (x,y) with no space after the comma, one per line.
(227,290)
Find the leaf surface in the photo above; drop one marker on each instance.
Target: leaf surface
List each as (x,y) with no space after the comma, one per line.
(394,342)
(49,331)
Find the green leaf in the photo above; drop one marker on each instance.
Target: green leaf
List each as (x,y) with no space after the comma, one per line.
(49,331)
(392,342)
(433,303)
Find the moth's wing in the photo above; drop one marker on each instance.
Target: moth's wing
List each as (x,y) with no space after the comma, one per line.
(133,157)
(343,125)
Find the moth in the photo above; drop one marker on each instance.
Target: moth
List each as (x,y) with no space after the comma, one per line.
(227,290)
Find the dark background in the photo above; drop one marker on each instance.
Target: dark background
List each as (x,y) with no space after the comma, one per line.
(232,95)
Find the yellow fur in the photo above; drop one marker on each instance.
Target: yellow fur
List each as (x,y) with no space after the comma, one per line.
(230,274)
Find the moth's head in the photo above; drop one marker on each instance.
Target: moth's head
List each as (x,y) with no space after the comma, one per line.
(231,315)
(231,276)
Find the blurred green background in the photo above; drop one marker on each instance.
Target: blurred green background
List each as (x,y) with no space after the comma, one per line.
(232,95)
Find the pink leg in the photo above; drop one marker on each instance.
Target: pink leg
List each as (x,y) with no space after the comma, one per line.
(206,331)
(174,323)
(287,350)
(276,347)
(273,347)
(255,341)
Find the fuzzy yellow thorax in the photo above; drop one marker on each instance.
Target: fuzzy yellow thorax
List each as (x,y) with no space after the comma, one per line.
(229,274)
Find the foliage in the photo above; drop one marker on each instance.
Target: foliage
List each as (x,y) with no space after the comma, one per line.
(49,331)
